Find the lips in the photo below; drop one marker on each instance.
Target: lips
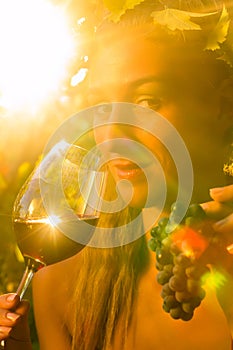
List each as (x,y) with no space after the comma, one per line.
(126,150)
(126,169)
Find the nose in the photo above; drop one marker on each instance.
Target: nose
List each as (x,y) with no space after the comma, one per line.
(115,120)
(116,132)
(113,127)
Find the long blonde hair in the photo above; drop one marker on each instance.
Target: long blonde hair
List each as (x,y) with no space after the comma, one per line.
(106,288)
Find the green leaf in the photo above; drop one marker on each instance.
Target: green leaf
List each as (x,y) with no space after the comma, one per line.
(177,19)
(119,7)
(113,5)
(219,33)
(228,59)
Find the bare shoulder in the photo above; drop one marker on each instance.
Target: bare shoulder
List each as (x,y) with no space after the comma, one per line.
(56,277)
(52,292)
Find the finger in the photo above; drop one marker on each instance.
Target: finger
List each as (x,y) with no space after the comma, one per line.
(219,257)
(22,308)
(222,194)
(8,318)
(216,210)
(223,236)
(225,227)
(9,301)
(5,332)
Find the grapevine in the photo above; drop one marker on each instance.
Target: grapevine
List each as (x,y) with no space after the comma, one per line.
(178,245)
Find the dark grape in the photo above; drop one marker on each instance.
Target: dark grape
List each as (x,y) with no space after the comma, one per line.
(163,222)
(174,249)
(183,296)
(177,283)
(166,308)
(182,260)
(156,231)
(179,270)
(164,256)
(187,316)
(166,290)
(190,221)
(193,286)
(170,301)
(159,266)
(166,242)
(163,277)
(202,294)
(187,307)
(152,244)
(196,211)
(180,275)
(176,312)
(168,268)
(196,271)
(191,305)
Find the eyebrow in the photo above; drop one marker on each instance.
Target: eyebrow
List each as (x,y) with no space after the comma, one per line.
(133,84)
(147,79)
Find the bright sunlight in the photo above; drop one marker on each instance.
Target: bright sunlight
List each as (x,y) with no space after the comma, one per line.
(36,47)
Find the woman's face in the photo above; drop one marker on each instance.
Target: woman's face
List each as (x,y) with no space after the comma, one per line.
(172,82)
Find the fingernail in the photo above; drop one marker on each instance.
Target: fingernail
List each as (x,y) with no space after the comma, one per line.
(216,190)
(12,317)
(205,206)
(11,297)
(220,223)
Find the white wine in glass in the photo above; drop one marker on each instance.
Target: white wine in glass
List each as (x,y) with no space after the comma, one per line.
(57,209)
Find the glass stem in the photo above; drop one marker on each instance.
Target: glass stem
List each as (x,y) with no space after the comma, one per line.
(32,266)
(25,281)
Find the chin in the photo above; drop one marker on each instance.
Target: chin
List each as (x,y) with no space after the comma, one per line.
(134,193)
(138,201)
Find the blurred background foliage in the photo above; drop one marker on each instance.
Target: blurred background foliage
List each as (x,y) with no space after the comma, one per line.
(23,137)
(21,143)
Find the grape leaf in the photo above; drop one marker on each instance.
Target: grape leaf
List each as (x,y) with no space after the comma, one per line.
(226,57)
(113,5)
(178,19)
(219,33)
(119,7)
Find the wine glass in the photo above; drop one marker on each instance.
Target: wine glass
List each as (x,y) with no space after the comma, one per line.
(56,210)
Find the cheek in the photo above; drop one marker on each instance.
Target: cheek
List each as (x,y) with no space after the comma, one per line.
(155,146)
(99,135)
(161,154)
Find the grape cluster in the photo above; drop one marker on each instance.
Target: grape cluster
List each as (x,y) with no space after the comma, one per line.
(177,248)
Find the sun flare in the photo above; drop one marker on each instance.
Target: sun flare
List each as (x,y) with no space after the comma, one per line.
(36,47)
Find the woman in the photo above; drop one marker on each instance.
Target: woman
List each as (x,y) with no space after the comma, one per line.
(111,300)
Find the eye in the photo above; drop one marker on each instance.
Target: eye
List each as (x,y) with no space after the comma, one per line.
(102,113)
(104,108)
(149,102)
